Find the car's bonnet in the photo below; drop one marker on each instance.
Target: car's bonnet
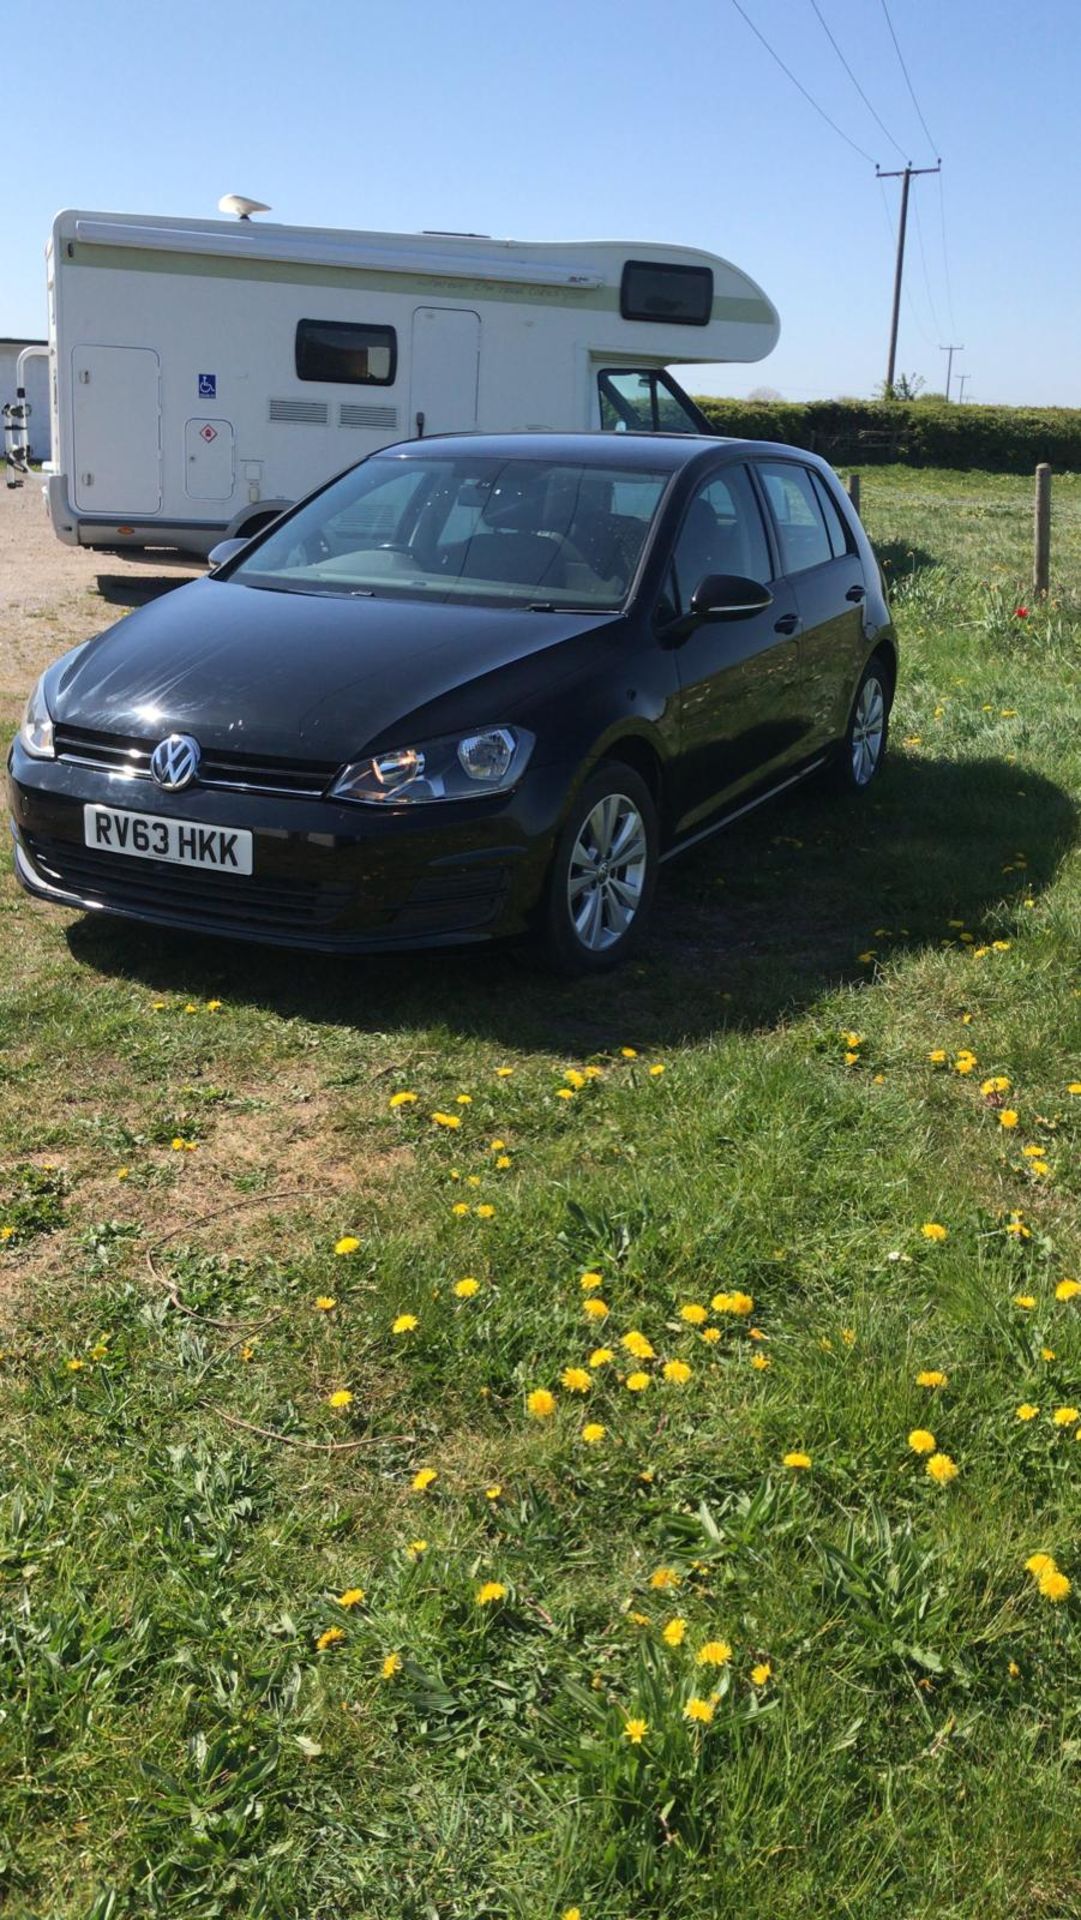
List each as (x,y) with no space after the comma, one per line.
(281,674)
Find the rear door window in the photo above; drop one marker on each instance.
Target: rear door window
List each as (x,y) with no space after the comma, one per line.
(798,515)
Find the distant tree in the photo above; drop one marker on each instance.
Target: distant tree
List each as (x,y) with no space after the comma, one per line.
(906,386)
(764,393)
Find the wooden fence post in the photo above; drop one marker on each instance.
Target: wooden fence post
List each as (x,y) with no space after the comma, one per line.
(854,491)
(1041,564)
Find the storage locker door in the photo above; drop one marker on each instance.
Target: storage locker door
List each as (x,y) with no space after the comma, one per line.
(445,370)
(117,420)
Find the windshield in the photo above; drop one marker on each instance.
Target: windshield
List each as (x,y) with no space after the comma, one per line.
(507,532)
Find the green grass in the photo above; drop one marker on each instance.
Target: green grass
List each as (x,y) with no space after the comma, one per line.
(175,1743)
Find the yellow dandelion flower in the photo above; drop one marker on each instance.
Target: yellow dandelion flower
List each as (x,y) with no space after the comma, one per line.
(698,1710)
(493,1493)
(574,1078)
(347,1244)
(423,1479)
(601,1357)
(416,1549)
(572,1913)
(1013,1670)
(711,1335)
(932,1377)
(325,1303)
(1026,1411)
(998,1083)
(460,1209)
(674,1633)
(7,1232)
(465,1289)
(761,1674)
(589,1282)
(593,1433)
(485,1211)
(796,1460)
(1067,1290)
(502,1162)
(693,1314)
(450,1120)
(740,1303)
(637,1344)
(1047,1353)
(1053,1584)
(1039,1563)
(1074,1087)
(352,1597)
(937,1056)
(503,1073)
(491,1591)
(628,1053)
(635,1730)
(921,1441)
(593,1073)
(391,1665)
(933,1230)
(464,1099)
(1007,1117)
(1025,1300)
(1065,1416)
(564,1093)
(405,1323)
(761,1362)
(657,1070)
(541,1403)
(662,1578)
(75,1366)
(677,1372)
(330,1638)
(595,1309)
(576,1380)
(341,1397)
(941,1469)
(122,1173)
(714,1653)
(402,1099)
(636,1382)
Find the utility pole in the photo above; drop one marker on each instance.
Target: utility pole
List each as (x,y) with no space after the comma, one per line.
(961,378)
(951,350)
(904,175)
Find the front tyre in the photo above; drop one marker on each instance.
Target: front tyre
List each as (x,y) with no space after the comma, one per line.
(863,749)
(603,875)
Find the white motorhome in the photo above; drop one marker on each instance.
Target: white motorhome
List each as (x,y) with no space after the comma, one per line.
(204,374)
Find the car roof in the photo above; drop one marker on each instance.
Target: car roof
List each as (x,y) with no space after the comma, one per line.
(653,452)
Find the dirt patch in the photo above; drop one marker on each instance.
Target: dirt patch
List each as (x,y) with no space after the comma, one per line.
(52,596)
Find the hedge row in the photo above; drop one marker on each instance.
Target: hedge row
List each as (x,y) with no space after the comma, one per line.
(874,432)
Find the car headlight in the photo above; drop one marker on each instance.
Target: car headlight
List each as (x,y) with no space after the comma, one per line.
(460,767)
(36,732)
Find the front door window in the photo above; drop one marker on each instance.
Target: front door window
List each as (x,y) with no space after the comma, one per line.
(646,400)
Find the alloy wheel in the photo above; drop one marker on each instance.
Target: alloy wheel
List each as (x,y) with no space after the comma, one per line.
(868,730)
(607,873)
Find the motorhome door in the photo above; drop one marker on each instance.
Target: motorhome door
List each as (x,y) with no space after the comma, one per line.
(445,370)
(116,410)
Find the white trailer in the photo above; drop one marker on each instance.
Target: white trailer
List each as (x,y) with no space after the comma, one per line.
(204,374)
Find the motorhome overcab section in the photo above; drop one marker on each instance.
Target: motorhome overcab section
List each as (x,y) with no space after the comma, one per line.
(207,373)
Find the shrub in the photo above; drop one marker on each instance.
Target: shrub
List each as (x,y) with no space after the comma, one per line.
(916,434)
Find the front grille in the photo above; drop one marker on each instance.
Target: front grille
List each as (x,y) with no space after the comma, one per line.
(237,772)
(157,887)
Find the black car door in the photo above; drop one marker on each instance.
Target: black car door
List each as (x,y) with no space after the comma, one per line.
(820,561)
(739,695)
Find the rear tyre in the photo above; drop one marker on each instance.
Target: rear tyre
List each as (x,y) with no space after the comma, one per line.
(603,875)
(859,758)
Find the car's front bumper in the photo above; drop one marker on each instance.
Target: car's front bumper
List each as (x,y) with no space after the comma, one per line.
(328,876)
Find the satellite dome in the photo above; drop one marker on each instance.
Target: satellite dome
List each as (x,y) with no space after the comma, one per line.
(236,203)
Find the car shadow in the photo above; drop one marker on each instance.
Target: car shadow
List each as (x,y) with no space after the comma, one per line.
(749,928)
(899,561)
(128,590)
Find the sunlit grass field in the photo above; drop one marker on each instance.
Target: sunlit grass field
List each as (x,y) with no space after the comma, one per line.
(475,1447)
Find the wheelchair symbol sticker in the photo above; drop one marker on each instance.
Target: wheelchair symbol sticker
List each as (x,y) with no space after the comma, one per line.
(208,386)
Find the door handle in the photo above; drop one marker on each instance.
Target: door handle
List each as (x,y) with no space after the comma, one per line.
(856,593)
(787,623)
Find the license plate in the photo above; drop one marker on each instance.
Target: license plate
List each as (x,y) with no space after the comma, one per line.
(150,836)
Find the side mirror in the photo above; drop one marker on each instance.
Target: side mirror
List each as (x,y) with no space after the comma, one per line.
(225,550)
(728,596)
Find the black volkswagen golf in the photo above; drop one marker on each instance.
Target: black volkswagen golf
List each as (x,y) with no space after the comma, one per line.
(475,687)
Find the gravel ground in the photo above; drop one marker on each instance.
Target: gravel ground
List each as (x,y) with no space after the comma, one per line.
(52,596)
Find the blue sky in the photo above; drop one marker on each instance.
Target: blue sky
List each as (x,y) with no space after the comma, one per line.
(602,120)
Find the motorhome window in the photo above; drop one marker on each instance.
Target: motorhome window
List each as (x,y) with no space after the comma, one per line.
(346,355)
(658,290)
(646,400)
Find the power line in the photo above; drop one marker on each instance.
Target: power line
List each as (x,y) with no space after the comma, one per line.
(822,23)
(926,275)
(897,48)
(946,253)
(821,111)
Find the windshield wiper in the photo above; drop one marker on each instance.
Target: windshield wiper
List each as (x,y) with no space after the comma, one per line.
(556,606)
